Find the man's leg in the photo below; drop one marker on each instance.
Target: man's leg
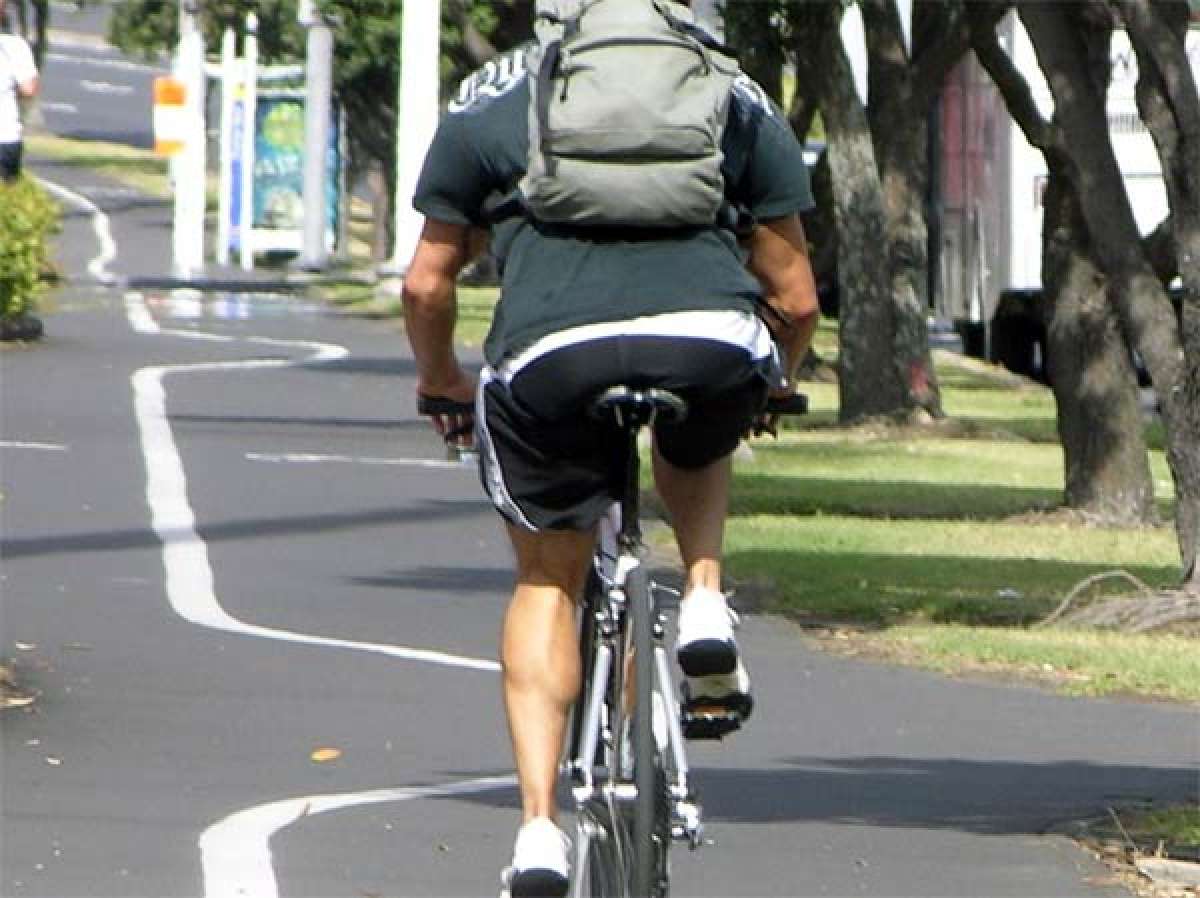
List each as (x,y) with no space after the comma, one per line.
(540,656)
(697,501)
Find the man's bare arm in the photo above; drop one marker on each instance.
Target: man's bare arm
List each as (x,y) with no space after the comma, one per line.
(779,259)
(28,89)
(430,309)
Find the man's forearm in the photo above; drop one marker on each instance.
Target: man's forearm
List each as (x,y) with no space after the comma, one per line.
(429,317)
(430,305)
(794,341)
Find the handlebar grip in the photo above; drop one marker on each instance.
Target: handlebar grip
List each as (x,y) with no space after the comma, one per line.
(796,404)
(437,405)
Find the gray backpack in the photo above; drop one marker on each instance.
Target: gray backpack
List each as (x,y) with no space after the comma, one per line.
(628,104)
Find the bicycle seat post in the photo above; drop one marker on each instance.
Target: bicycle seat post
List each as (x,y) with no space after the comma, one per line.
(630,410)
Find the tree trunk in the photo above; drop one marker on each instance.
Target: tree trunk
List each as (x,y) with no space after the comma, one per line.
(1170,106)
(752,29)
(868,382)
(1145,312)
(901,134)
(1106,468)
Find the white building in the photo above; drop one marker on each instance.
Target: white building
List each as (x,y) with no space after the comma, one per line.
(992,181)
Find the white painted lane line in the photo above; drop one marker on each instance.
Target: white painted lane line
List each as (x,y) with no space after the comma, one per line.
(106,87)
(42,447)
(235,852)
(312,458)
(63,108)
(98,266)
(189,576)
(106,62)
(138,315)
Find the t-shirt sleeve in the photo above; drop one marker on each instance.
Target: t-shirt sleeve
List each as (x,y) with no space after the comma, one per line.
(773,178)
(20,59)
(452,185)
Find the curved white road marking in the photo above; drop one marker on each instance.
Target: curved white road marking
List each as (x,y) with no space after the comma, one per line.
(235,853)
(189,576)
(98,266)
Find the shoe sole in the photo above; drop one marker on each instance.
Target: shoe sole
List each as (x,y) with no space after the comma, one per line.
(708,658)
(538,884)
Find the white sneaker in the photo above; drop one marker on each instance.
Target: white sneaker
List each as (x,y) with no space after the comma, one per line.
(706,646)
(539,865)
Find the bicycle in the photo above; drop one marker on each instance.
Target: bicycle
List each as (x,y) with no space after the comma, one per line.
(626,759)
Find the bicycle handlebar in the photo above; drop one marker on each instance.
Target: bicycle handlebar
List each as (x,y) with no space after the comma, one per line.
(437,405)
(796,404)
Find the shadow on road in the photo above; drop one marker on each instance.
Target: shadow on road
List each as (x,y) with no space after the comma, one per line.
(137,538)
(994,797)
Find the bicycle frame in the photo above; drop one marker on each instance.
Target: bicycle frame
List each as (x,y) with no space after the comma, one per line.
(602,790)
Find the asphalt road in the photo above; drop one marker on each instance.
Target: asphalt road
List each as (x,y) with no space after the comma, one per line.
(90,91)
(228,544)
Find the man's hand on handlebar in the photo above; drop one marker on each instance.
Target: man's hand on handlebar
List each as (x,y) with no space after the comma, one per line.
(451,410)
(781,401)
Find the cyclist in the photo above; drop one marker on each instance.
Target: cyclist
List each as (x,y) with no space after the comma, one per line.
(719,319)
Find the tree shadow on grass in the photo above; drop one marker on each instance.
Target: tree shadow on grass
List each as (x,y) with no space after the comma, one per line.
(760,493)
(878,587)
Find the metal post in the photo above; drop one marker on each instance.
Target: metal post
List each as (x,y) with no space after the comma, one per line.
(416,119)
(225,176)
(188,167)
(318,106)
(249,128)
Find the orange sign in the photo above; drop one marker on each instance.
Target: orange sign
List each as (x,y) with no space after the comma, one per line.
(170,120)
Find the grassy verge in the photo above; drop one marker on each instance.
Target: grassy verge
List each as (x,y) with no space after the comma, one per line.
(941,546)
(134,167)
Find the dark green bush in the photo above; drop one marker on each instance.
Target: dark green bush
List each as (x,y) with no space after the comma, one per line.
(27,219)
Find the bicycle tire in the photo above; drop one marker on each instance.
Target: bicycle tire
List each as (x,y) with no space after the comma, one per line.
(650,828)
(604,875)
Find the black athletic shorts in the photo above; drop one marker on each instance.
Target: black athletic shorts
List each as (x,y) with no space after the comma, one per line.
(548,465)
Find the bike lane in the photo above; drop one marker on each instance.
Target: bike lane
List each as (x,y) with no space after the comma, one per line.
(852,778)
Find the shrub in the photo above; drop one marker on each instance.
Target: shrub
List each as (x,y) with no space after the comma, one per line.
(27,218)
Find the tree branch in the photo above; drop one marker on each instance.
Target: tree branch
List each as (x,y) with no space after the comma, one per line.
(1015,89)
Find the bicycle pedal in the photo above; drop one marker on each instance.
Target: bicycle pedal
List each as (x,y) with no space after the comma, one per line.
(709,721)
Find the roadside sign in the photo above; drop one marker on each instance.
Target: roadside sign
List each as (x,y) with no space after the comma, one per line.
(170,115)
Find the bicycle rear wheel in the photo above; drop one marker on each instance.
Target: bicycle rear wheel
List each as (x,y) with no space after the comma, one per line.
(650,825)
(605,872)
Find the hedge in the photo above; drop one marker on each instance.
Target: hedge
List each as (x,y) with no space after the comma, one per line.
(27,219)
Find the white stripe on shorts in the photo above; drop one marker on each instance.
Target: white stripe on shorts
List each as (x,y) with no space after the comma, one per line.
(496,488)
(742,329)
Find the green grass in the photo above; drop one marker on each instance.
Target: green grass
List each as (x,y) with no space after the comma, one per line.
(945,544)
(138,168)
(1174,826)
(888,571)
(1078,662)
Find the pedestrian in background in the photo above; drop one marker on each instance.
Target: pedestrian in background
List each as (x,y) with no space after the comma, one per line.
(18,81)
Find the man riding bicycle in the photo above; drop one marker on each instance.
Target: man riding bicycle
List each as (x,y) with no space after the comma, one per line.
(720,314)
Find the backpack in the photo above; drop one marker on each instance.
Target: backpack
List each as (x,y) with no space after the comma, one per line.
(628,103)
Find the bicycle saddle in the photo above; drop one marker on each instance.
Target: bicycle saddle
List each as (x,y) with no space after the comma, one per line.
(630,407)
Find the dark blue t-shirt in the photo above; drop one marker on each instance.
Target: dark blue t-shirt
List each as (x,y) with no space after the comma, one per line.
(555,278)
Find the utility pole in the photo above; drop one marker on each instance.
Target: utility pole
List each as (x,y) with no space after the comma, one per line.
(416,118)
(188,167)
(318,107)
